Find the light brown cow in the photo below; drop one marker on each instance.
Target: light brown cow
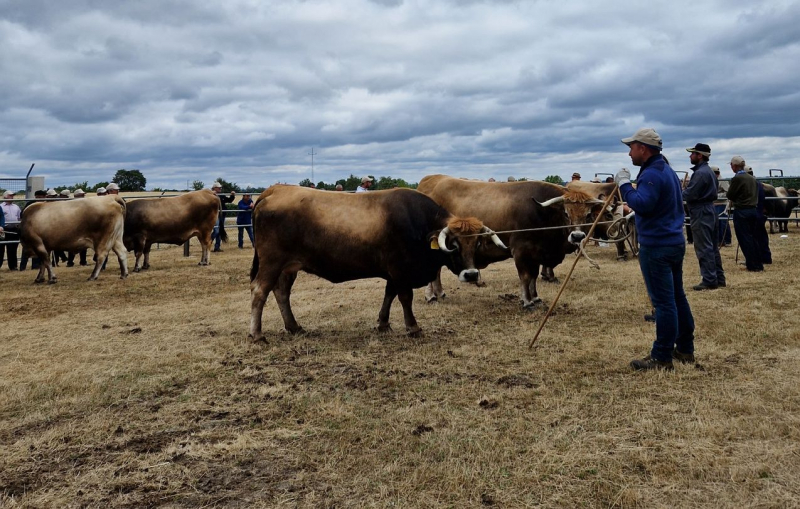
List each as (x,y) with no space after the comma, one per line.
(72,226)
(171,221)
(600,191)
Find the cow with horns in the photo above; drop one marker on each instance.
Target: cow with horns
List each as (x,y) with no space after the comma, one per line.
(400,235)
(513,209)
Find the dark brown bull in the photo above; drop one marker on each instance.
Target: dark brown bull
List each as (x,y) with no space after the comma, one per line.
(172,220)
(398,235)
(74,225)
(515,206)
(781,207)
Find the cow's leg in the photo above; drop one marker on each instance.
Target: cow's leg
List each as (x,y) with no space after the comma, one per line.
(102,254)
(260,287)
(434,290)
(122,256)
(528,271)
(44,264)
(282,293)
(549,275)
(383,316)
(205,244)
(137,265)
(147,247)
(406,298)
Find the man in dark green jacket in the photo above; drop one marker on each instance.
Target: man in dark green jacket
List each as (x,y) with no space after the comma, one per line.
(743,195)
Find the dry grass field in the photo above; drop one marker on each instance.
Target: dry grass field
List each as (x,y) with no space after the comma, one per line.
(146,392)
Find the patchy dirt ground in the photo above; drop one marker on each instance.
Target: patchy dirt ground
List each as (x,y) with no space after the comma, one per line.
(145,392)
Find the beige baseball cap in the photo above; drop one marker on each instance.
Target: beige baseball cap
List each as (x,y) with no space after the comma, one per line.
(78,192)
(364,180)
(645,136)
(64,192)
(737,160)
(113,187)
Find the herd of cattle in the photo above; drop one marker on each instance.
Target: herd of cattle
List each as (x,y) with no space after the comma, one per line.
(400,235)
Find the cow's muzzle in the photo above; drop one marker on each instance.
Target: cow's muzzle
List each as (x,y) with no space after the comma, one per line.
(469,275)
(576,237)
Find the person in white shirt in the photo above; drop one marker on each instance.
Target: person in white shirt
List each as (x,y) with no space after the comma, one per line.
(12,213)
(366,183)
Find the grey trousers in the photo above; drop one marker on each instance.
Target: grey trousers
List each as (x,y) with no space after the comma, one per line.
(705,224)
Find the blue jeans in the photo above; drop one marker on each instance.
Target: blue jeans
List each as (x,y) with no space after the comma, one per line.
(662,269)
(215,236)
(249,230)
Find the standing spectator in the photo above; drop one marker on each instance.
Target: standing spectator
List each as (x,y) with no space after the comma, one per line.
(743,195)
(762,237)
(23,260)
(219,232)
(12,213)
(51,194)
(724,226)
(366,183)
(78,193)
(576,176)
(339,187)
(658,204)
(102,191)
(64,194)
(244,219)
(512,179)
(112,188)
(491,179)
(699,195)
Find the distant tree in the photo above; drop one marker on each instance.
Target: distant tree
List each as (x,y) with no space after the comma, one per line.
(305,183)
(389,183)
(522,179)
(350,183)
(82,185)
(96,186)
(130,180)
(554,179)
(198,185)
(227,187)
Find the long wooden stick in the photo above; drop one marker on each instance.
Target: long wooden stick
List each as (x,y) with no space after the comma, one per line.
(566,279)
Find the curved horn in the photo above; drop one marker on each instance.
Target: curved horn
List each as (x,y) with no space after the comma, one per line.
(494,237)
(595,201)
(552,201)
(443,240)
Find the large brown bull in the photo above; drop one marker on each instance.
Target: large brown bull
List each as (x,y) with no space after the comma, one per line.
(172,220)
(781,207)
(515,206)
(74,225)
(398,235)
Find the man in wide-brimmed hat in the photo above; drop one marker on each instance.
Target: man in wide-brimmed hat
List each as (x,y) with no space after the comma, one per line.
(699,196)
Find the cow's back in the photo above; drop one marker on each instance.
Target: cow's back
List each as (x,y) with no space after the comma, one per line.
(344,236)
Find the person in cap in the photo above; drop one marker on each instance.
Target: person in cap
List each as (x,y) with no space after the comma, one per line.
(112,188)
(761,234)
(743,197)
(512,179)
(339,187)
(366,183)
(491,179)
(658,205)
(79,193)
(11,213)
(723,227)
(102,191)
(699,195)
(219,233)
(244,219)
(64,193)
(576,176)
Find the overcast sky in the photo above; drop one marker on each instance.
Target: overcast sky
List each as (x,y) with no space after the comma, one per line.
(189,90)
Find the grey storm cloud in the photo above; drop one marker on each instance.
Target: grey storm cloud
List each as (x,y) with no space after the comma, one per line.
(190,89)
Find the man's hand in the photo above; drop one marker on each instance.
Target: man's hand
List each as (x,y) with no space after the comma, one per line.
(623,176)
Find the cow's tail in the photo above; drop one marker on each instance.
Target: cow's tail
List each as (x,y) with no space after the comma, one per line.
(121,202)
(254,267)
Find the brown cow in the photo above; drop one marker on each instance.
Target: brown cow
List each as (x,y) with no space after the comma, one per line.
(509,206)
(172,220)
(72,226)
(398,235)
(601,191)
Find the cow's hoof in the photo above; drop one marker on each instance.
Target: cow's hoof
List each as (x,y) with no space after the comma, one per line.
(384,328)
(136,269)
(434,298)
(203,263)
(551,280)
(146,266)
(124,276)
(530,306)
(414,332)
(38,281)
(91,278)
(257,340)
(52,281)
(296,331)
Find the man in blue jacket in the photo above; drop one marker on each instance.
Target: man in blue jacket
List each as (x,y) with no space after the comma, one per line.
(699,196)
(658,205)
(244,219)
